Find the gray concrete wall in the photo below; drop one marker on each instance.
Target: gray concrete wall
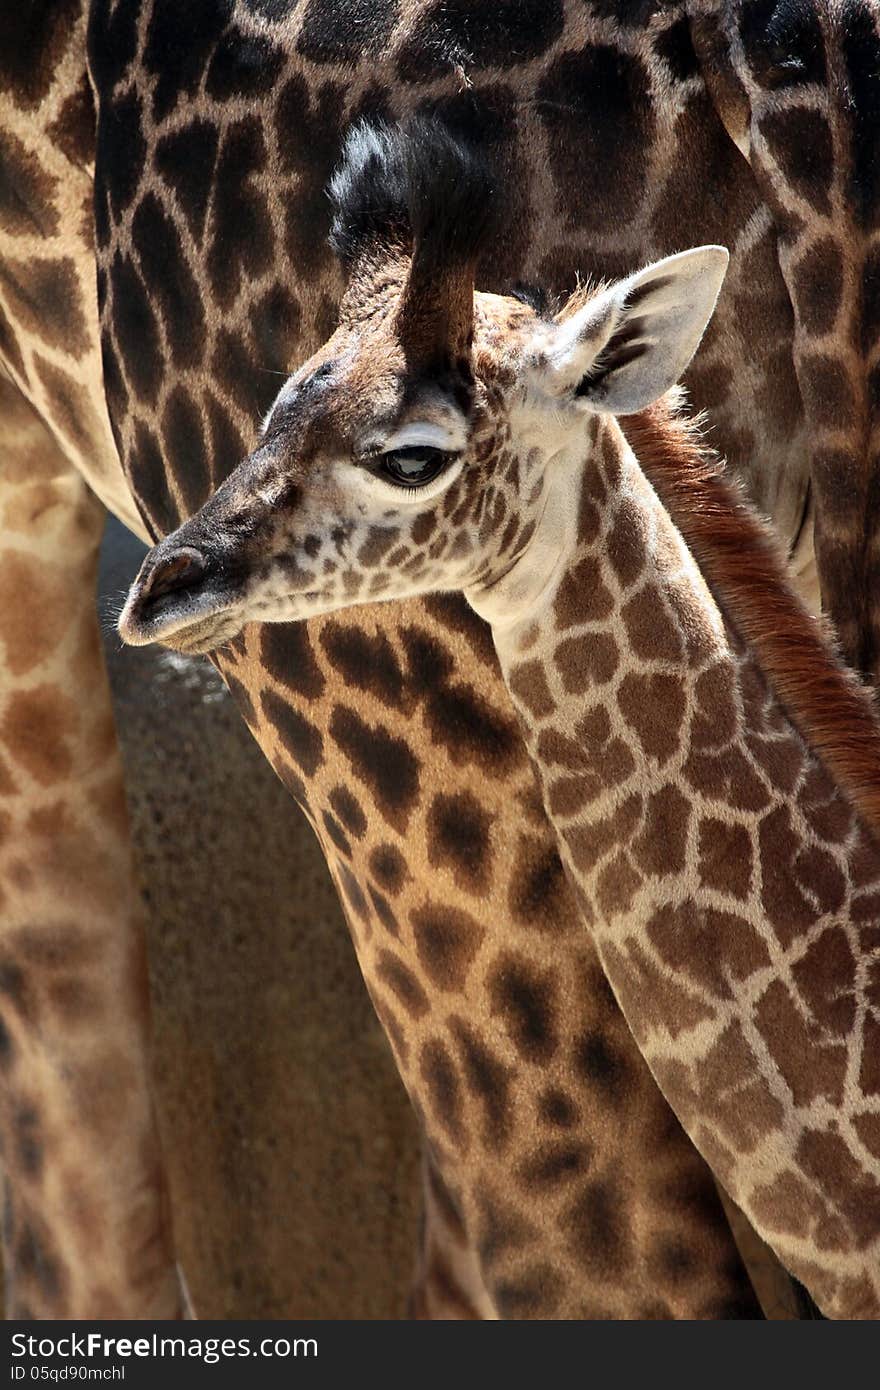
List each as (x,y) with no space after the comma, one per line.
(289,1138)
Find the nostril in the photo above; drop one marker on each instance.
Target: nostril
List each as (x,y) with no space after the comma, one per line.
(182,569)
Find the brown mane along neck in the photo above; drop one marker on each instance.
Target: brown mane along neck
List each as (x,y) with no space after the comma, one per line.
(741,562)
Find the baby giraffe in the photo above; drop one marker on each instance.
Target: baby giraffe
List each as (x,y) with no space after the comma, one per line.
(711,771)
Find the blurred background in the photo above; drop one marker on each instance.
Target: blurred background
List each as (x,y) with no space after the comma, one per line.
(289,1139)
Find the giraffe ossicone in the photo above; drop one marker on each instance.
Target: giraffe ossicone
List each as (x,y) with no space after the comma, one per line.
(708,768)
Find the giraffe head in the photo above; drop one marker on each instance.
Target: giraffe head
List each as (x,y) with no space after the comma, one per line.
(412,453)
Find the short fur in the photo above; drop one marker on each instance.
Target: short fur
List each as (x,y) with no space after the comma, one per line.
(740,559)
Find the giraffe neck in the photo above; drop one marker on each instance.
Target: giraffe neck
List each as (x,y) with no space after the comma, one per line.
(721,870)
(610,642)
(570,565)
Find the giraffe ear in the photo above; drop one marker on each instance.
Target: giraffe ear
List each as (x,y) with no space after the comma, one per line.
(629,344)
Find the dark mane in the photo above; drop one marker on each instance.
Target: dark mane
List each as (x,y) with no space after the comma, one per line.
(741,562)
(411,184)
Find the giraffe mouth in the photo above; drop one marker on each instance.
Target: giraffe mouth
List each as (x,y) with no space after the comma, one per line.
(194,635)
(201,638)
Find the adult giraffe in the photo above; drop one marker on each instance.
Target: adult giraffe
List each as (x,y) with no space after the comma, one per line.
(217,126)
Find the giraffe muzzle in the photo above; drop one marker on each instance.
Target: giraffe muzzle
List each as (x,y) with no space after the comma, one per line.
(172,595)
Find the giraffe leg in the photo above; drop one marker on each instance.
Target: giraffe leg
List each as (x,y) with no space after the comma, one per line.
(448,1285)
(87,1230)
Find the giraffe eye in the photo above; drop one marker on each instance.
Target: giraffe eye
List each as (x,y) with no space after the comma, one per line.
(415,466)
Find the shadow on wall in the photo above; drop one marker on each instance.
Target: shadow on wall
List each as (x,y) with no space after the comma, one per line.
(289,1138)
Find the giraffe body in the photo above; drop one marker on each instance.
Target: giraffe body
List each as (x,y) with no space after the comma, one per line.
(719,828)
